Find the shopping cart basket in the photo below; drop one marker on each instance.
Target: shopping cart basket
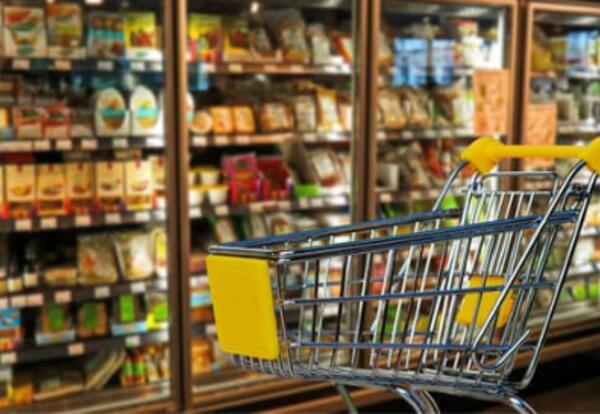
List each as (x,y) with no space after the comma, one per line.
(441,301)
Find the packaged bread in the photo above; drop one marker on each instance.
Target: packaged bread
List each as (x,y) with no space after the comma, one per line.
(275,116)
(96,259)
(51,191)
(243,119)
(29,121)
(202,122)
(138,185)
(159,244)
(416,107)
(328,118)
(391,109)
(92,320)
(110,185)
(224,230)
(305,113)
(222,119)
(20,189)
(280,223)
(80,186)
(289,30)
(236,46)
(134,254)
(110,113)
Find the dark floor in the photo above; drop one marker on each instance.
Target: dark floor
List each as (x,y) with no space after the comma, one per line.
(570,385)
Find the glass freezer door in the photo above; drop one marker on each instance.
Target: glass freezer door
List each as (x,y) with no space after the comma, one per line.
(270,108)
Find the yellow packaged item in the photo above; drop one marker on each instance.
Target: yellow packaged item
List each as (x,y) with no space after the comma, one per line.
(110,185)
(468,307)
(80,186)
(51,190)
(20,189)
(138,185)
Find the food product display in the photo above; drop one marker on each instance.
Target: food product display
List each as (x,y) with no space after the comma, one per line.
(24,31)
(140,36)
(65,31)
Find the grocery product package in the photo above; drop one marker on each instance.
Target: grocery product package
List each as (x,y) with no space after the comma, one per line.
(96,259)
(65,31)
(24,32)
(289,28)
(54,325)
(134,254)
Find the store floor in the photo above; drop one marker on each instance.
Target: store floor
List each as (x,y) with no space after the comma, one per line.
(570,385)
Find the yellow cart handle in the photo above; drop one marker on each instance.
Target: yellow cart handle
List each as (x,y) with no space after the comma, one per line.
(486,152)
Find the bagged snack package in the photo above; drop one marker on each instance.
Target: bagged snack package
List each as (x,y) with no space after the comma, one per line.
(222,119)
(29,121)
(96,260)
(128,315)
(325,168)
(65,31)
(205,38)
(54,325)
(159,245)
(328,119)
(106,35)
(416,107)
(146,115)
(139,193)
(236,46)
(275,117)
(20,189)
(57,122)
(11,329)
(262,47)
(202,122)
(141,38)
(110,185)
(243,119)
(111,116)
(319,44)
(289,30)
(453,105)
(305,112)
(80,187)
(24,32)
(92,320)
(391,109)
(158,310)
(134,254)
(51,190)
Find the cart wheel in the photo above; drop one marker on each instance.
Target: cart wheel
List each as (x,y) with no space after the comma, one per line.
(518,404)
(421,401)
(347,398)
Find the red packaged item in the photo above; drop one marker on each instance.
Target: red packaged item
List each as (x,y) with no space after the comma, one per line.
(244,178)
(276,178)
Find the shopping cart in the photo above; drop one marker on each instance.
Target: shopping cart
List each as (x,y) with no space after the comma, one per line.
(446,301)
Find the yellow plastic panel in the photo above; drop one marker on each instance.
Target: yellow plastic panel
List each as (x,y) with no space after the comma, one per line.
(243,305)
(488,300)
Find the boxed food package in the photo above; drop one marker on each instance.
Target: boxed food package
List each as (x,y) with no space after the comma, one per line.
(146,115)
(65,31)
(280,223)
(29,121)
(139,193)
(222,119)
(96,260)
(243,119)
(391,110)
(20,189)
(92,320)
(51,191)
(201,356)
(325,168)
(110,185)
(82,123)
(57,122)
(24,32)
(134,254)
(10,88)
(236,46)
(275,116)
(243,176)
(141,37)
(80,186)
(11,329)
(159,244)
(128,315)
(111,116)
(289,29)
(205,37)
(54,325)
(106,35)
(158,310)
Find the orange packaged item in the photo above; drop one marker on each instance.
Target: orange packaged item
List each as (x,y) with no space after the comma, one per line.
(243,120)
(110,185)
(344,45)
(20,189)
(222,119)
(51,190)
(80,187)
(328,118)
(139,192)
(275,116)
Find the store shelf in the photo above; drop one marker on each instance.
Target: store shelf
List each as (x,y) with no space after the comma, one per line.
(80,144)
(81,221)
(425,134)
(386,196)
(271,206)
(73,349)
(202,141)
(569,74)
(457,71)
(80,65)
(40,297)
(270,68)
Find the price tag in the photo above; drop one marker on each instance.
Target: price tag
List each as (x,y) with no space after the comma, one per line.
(156,67)
(331,69)
(243,139)
(303,202)
(317,202)
(284,205)
(209,68)
(132,341)
(119,143)
(35,300)
(155,142)
(256,207)
(386,197)
(105,65)
(222,210)
(138,287)
(235,68)
(63,296)
(21,64)
(16,146)
(142,216)
(75,349)
(23,225)
(41,145)
(221,140)
(296,68)
(408,134)
(49,223)
(64,145)
(113,218)
(101,292)
(310,137)
(195,212)
(138,66)
(270,68)
(62,65)
(18,301)
(83,221)
(8,358)
(3,303)
(89,144)
(199,141)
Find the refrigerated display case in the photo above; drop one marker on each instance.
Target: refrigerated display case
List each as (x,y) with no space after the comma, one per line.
(270,107)
(87,290)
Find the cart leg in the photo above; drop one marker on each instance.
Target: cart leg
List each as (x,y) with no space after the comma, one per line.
(518,404)
(347,398)
(421,401)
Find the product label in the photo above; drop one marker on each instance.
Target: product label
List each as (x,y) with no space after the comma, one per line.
(127,308)
(90,316)
(56,317)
